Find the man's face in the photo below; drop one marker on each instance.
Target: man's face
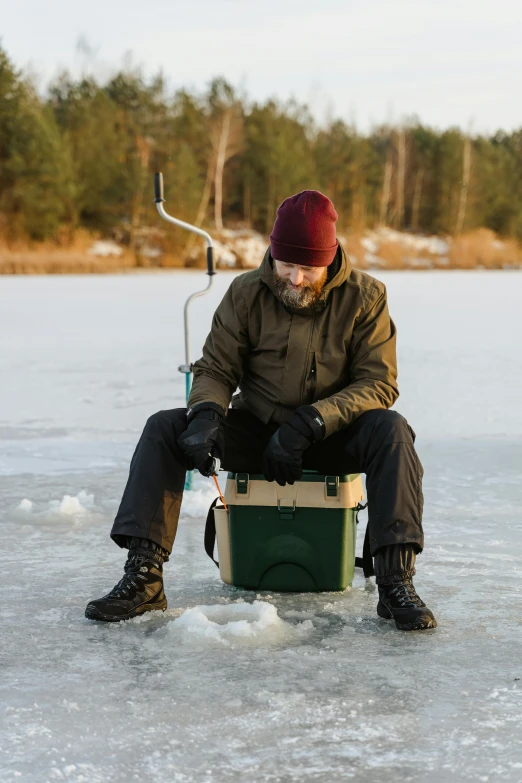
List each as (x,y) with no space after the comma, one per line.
(297,285)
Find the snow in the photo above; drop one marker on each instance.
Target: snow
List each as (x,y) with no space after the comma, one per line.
(248,245)
(229,685)
(236,248)
(256,623)
(223,255)
(433,246)
(104,248)
(243,245)
(74,505)
(69,508)
(197,502)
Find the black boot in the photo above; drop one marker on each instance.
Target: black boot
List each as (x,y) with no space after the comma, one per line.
(140,589)
(398,599)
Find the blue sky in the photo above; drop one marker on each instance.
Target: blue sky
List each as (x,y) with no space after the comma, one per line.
(450,63)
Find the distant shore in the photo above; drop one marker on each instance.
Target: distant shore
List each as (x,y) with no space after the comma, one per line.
(242,249)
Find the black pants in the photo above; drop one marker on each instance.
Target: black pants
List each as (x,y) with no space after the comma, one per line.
(379,443)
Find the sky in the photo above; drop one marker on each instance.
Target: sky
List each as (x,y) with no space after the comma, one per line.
(447,62)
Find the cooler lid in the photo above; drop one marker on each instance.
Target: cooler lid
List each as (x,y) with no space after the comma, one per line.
(313,490)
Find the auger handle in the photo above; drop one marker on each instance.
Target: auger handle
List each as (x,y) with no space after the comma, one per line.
(158,188)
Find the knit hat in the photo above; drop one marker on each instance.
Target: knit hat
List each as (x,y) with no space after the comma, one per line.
(304,230)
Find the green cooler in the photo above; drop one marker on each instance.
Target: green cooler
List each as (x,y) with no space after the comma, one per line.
(296,538)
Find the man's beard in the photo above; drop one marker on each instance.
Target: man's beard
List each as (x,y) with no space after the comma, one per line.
(305,296)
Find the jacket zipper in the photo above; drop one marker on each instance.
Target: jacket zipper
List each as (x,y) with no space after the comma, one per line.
(306,376)
(312,375)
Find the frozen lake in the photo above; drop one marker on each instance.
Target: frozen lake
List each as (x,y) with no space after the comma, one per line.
(323,690)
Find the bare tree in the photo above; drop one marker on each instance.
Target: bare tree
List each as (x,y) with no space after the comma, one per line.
(207,187)
(143,148)
(417,191)
(225,130)
(401,175)
(466,170)
(202,209)
(386,189)
(226,136)
(247,198)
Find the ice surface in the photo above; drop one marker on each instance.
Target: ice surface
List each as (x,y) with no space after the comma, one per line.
(328,691)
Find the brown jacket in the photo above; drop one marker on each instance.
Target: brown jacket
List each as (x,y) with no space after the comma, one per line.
(338,355)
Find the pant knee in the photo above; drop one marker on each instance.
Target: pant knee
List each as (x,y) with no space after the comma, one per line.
(166,423)
(392,425)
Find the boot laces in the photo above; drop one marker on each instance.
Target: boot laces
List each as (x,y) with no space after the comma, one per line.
(134,569)
(406,595)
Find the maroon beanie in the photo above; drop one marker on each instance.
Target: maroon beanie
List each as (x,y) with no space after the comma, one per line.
(304,230)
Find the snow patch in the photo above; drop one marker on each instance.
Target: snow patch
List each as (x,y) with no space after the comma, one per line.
(197,501)
(431,244)
(224,255)
(104,248)
(25,505)
(420,251)
(248,246)
(239,623)
(370,244)
(71,505)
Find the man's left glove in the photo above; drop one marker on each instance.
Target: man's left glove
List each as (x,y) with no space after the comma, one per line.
(283,457)
(204,437)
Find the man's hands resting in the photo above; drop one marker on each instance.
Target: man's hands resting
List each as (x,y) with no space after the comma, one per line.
(204,437)
(283,457)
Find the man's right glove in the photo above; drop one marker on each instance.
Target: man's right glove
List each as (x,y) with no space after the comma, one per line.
(283,457)
(204,437)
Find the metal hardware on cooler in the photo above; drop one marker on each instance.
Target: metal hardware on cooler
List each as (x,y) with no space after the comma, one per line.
(331,486)
(242,480)
(286,508)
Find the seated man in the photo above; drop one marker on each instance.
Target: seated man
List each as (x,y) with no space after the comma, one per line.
(310,344)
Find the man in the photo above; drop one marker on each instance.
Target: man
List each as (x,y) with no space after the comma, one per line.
(310,344)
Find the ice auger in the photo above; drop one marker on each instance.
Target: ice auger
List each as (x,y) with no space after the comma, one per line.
(187,367)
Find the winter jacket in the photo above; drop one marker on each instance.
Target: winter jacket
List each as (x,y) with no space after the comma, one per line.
(338,355)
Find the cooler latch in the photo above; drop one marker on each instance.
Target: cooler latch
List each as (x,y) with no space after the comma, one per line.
(331,486)
(286,508)
(242,480)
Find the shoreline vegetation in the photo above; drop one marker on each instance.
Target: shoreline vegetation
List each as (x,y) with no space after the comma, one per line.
(381,249)
(77,163)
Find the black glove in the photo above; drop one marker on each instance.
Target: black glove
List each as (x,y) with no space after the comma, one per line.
(283,457)
(204,437)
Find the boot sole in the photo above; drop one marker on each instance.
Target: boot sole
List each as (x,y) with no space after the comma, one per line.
(93,613)
(420,623)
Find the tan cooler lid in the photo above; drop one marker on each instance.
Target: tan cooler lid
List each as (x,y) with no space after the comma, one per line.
(315,491)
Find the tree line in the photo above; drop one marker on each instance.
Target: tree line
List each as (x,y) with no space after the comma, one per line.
(83,155)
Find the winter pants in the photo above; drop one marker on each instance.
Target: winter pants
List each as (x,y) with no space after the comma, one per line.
(379,443)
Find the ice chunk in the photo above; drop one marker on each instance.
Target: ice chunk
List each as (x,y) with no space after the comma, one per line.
(257,623)
(25,505)
(196,502)
(71,505)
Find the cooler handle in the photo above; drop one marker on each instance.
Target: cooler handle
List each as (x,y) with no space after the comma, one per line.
(210,532)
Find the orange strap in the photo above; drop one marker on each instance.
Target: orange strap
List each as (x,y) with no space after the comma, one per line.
(219,491)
